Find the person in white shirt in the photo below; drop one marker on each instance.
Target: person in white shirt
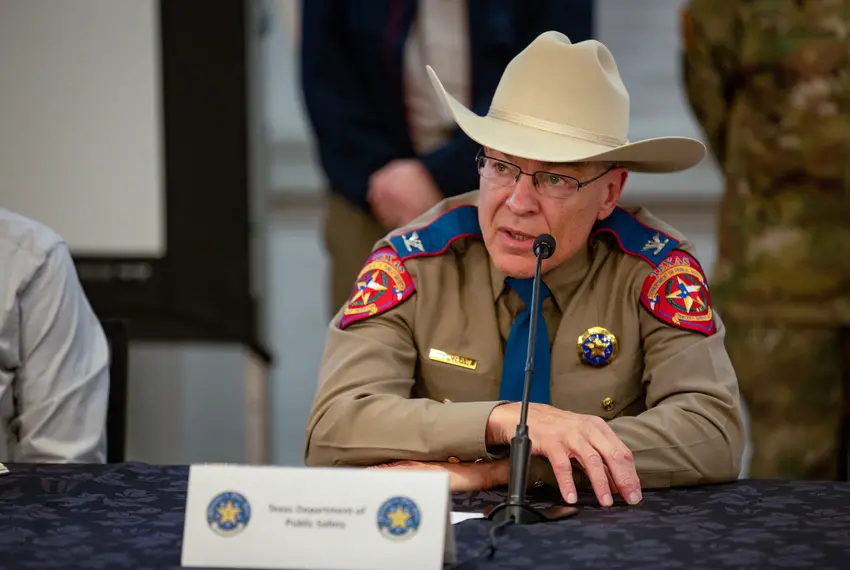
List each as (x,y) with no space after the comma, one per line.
(54,356)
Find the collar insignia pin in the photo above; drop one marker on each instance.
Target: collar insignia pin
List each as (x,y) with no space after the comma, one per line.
(412,242)
(656,244)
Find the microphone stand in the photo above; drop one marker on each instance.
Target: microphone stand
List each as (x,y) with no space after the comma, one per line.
(516,507)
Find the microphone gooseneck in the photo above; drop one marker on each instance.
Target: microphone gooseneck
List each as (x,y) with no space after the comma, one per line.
(516,507)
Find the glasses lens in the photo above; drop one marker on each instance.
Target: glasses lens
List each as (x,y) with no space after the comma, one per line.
(556,185)
(496,170)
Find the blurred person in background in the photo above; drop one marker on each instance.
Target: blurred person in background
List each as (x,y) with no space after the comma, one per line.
(389,149)
(770,84)
(54,357)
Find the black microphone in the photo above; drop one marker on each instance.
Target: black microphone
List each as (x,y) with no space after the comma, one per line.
(516,507)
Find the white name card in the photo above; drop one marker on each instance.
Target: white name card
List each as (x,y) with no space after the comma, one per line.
(240,516)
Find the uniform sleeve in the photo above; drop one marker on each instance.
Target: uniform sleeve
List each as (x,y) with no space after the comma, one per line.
(710,66)
(692,431)
(366,411)
(62,386)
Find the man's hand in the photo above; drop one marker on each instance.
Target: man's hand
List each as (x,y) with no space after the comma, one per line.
(401,191)
(463,477)
(561,436)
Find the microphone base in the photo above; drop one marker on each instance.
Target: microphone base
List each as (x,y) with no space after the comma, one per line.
(526,514)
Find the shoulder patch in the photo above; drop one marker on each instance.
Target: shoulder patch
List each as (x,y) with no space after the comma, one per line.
(676,292)
(382,284)
(635,238)
(435,238)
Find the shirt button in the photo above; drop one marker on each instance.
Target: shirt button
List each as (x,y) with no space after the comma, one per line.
(608,404)
(454,459)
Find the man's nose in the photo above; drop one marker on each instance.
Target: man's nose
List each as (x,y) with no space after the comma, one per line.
(524,199)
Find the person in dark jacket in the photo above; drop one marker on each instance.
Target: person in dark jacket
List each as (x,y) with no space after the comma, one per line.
(387,148)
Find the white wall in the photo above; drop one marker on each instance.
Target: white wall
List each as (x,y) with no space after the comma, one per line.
(80,142)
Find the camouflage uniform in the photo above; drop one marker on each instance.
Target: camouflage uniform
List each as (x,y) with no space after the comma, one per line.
(769,81)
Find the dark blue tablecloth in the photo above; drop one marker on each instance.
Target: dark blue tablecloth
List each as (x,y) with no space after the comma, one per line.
(131,516)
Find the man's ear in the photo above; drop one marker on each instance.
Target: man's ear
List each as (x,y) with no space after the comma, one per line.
(616,180)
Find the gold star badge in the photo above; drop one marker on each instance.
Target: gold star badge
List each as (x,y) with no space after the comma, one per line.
(597,346)
(228,513)
(399,518)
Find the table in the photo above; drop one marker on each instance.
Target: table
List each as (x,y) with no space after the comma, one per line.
(130,515)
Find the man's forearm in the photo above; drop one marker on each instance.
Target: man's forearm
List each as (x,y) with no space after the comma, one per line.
(432,431)
(674,446)
(463,477)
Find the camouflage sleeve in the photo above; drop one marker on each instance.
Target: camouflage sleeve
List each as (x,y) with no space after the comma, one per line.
(710,65)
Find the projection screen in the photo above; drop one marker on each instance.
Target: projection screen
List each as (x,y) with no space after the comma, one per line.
(80,122)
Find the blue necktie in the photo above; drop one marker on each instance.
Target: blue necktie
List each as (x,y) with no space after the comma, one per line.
(516,350)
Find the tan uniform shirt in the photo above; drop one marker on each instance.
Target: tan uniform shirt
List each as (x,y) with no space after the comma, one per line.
(54,358)
(669,393)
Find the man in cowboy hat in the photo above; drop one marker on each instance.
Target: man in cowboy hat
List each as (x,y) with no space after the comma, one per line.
(423,367)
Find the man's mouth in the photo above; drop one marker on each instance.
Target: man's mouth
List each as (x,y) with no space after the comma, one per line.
(520,236)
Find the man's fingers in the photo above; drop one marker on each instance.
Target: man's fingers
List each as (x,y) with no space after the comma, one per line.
(622,468)
(617,458)
(563,469)
(400,464)
(594,466)
(611,483)
(591,442)
(605,459)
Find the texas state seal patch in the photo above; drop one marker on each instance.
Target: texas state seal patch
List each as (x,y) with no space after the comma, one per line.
(677,293)
(382,284)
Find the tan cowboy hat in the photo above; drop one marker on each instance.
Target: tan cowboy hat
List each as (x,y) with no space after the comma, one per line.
(564,102)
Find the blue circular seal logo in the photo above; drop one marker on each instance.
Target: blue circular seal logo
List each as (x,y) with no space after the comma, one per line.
(399,518)
(228,513)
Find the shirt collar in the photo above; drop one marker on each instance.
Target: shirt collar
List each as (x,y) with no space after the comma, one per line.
(562,281)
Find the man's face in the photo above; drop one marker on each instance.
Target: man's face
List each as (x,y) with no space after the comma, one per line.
(512,214)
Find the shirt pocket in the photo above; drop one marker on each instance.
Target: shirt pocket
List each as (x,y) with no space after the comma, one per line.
(603,393)
(441,381)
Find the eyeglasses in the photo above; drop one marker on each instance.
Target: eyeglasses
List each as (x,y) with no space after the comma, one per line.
(503,173)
